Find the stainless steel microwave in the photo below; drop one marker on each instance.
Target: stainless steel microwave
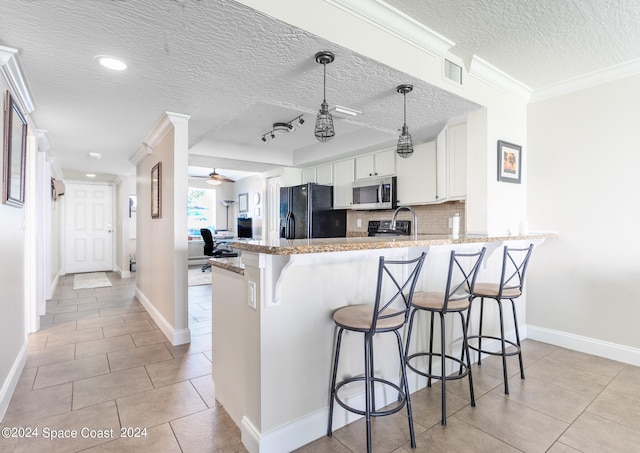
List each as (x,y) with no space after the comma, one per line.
(378,193)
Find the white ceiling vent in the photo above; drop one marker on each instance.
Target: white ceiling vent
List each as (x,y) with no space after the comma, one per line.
(452,72)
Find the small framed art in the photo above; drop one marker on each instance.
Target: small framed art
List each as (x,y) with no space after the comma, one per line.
(509,162)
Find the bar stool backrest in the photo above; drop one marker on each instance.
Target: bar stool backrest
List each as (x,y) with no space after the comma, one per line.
(403,290)
(463,270)
(514,266)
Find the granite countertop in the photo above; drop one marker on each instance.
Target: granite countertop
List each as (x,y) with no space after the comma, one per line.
(301,246)
(231,264)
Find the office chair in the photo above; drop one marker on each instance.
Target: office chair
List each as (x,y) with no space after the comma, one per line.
(209,245)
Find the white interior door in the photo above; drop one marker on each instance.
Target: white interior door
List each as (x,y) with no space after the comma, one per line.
(89,228)
(273,207)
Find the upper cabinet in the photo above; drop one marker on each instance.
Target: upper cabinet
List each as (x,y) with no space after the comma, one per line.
(322,174)
(457,161)
(374,165)
(343,177)
(417,176)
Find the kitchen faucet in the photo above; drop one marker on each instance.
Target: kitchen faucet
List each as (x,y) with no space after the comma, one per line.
(415,219)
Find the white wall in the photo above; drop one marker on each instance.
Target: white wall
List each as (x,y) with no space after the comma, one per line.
(161,243)
(13,298)
(251,185)
(584,155)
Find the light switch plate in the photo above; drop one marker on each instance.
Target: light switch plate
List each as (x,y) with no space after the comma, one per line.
(251,293)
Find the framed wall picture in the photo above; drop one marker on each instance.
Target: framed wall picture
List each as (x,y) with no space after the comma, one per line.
(509,162)
(243,202)
(14,153)
(156,191)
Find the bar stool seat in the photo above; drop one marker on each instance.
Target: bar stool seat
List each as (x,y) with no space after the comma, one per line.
(359,318)
(389,313)
(514,267)
(463,268)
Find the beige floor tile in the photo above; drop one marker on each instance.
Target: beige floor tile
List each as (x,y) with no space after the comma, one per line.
(324,445)
(55,310)
(617,407)
(70,371)
(74,316)
(128,328)
(426,404)
(86,299)
(87,392)
(200,328)
(458,437)
(198,344)
(51,355)
(560,374)
(387,433)
(213,428)
(27,378)
(102,417)
(549,399)
(587,362)
(95,347)
(159,439)
(178,370)
(159,406)
(591,433)
(483,383)
(131,358)
(559,447)
(76,336)
(122,310)
(137,316)
(100,321)
(148,338)
(27,407)
(627,381)
(513,423)
(206,389)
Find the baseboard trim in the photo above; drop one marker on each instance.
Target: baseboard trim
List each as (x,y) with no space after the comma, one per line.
(587,345)
(10,383)
(176,337)
(54,285)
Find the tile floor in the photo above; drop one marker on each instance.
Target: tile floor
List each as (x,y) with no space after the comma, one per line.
(100,362)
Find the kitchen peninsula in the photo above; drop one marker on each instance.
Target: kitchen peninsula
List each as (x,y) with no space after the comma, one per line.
(273,332)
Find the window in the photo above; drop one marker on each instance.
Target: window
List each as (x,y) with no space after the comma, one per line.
(201,211)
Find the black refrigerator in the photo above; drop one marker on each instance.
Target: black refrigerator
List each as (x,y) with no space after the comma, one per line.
(306,211)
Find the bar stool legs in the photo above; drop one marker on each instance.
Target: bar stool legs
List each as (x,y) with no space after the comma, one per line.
(514,266)
(387,314)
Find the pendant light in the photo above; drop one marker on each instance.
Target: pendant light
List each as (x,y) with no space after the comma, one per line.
(324,122)
(405,146)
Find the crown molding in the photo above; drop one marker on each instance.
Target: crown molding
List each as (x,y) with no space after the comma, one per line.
(164,125)
(396,23)
(486,72)
(15,78)
(615,72)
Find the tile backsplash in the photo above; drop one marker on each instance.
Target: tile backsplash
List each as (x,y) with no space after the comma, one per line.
(432,219)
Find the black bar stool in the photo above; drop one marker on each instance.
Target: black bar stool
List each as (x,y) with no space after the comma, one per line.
(385,315)
(514,266)
(463,269)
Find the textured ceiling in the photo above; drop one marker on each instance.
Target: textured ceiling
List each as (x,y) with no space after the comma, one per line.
(236,72)
(538,42)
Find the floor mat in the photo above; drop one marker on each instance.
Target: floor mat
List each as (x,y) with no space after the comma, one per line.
(91,280)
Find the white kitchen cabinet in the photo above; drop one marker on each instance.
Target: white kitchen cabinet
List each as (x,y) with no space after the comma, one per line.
(417,182)
(457,161)
(308,175)
(324,174)
(343,177)
(374,165)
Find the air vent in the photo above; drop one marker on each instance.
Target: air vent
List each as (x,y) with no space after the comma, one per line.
(452,72)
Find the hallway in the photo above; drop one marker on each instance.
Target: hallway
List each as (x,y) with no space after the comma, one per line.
(99,361)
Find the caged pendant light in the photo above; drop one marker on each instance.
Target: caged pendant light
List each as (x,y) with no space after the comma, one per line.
(324,122)
(405,145)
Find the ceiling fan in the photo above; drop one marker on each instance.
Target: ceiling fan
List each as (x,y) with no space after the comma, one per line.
(216,178)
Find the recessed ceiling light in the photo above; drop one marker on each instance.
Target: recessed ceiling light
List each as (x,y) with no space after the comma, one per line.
(94,155)
(111,63)
(90,175)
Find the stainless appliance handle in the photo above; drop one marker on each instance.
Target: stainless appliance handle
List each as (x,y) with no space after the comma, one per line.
(380,192)
(289,226)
